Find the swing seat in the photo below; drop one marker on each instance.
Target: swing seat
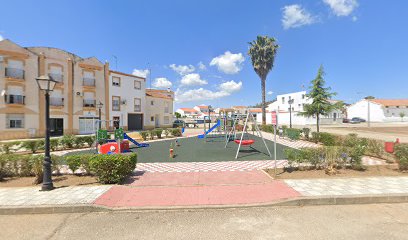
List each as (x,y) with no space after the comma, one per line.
(245,142)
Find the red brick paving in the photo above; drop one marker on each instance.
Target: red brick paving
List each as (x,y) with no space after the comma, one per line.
(194,189)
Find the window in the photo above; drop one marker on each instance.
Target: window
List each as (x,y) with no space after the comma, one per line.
(303,96)
(15,121)
(166,107)
(138,85)
(152,118)
(138,105)
(397,106)
(152,103)
(115,103)
(283,100)
(56,73)
(15,69)
(116,81)
(166,120)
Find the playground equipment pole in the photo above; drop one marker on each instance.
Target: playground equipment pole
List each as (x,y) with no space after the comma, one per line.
(274,148)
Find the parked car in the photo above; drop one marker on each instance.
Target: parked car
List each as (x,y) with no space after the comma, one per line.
(357,120)
(179,123)
(346,120)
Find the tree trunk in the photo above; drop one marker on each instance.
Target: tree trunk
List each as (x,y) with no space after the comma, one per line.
(263,101)
(318,122)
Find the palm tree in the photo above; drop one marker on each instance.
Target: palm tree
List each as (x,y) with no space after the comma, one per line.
(262,52)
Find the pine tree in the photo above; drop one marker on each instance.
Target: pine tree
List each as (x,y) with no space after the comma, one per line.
(320,96)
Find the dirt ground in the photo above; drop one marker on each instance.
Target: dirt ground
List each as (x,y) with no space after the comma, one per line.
(59,181)
(372,171)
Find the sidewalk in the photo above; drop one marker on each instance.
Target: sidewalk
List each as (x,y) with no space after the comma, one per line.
(207,189)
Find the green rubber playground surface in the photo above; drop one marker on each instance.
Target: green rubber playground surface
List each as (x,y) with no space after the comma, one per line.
(211,149)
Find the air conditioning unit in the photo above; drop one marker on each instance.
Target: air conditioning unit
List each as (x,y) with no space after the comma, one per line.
(80,94)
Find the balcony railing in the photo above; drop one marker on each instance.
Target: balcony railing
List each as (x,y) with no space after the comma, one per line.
(56,101)
(89,82)
(57,77)
(89,103)
(15,73)
(14,99)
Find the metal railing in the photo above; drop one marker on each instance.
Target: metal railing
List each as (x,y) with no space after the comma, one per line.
(14,99)
(56,101)
(15,73)
(89,103)
(57,77)
(90,82)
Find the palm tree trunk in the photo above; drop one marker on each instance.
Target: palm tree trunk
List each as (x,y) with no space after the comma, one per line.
(263,80)
(318,122)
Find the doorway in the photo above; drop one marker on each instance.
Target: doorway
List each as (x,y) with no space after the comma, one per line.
(56,126)
(135,121)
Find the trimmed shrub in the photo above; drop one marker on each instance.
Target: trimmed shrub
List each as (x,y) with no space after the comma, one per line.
(73,162)
(327,139)
(401,151)
(79,142)
(57,161)
(89,140)
(293,156)
(68,141)
(32,145)
(37,164)
(54,144)
(7,146)
(375,148)
(152,134)
(112,169)
(306,133)
(293,133)
(144,135)
(158,132)
(166,132)
(176,132)
(313,156)
(267,128)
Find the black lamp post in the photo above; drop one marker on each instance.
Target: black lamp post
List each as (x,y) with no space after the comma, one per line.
(290,112)
(47,84)
(100,105)
(209,116)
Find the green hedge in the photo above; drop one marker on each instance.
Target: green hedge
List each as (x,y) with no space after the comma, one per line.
(112,169)
(401,151)
(293,133)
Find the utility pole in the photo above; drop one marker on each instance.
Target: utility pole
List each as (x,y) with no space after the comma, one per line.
(290,112)
(368,113)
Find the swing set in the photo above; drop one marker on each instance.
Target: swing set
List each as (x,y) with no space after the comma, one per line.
(244,140)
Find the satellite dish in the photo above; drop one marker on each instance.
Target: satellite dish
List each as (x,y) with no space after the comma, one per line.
(3,92)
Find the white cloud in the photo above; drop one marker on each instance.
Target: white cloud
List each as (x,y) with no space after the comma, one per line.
(296,16)
(269,93)
(201,66)
(228,62)
(193,79)
(162,82)
(182,69)
(230,86)
(342,7)
(225,89)
(1,38)
(141,72)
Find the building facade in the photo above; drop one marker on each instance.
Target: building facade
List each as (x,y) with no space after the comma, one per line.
(159,108)
(379,110)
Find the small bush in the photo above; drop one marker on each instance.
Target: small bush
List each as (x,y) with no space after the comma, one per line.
(166,132)
(54,144)
(327,139)
(293,156)
(176,132)
(375,148)
(315,137)
(158,132)
(57,161)
(68,141)
(401,152)
(306,133)
(89,140)
(73,162)
(267,128)
(112,169)
(6,147)
(151,134)
(32,145)
(37,164)
(144,135)
(293,133)
(79,142)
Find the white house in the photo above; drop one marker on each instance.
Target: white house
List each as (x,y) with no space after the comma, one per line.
(290,105)
(188,112)
(379,110)
(127,100)
(201,108)
(159,108)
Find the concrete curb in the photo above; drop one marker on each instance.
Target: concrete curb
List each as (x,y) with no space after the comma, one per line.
(297,202)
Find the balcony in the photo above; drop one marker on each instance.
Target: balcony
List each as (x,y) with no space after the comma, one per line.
(57,77)
(56,102)
(14,99)
(15,73)
(89,82)
(90,103)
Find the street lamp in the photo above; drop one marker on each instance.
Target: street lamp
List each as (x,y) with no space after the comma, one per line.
(209,116)
(290,112)
(99,106)
(47,84)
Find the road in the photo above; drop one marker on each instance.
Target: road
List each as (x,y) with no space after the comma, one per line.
(377,221)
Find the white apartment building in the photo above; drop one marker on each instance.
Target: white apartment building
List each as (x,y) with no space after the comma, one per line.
(127,100)
(159,108)
(380,110)
(188,112)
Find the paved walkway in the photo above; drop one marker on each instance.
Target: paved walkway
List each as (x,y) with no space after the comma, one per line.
(350,186)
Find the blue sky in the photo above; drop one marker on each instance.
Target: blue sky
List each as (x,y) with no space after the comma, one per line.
(361,43)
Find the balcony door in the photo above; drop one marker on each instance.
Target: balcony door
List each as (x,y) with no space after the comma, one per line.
(87,125)
(56,126)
